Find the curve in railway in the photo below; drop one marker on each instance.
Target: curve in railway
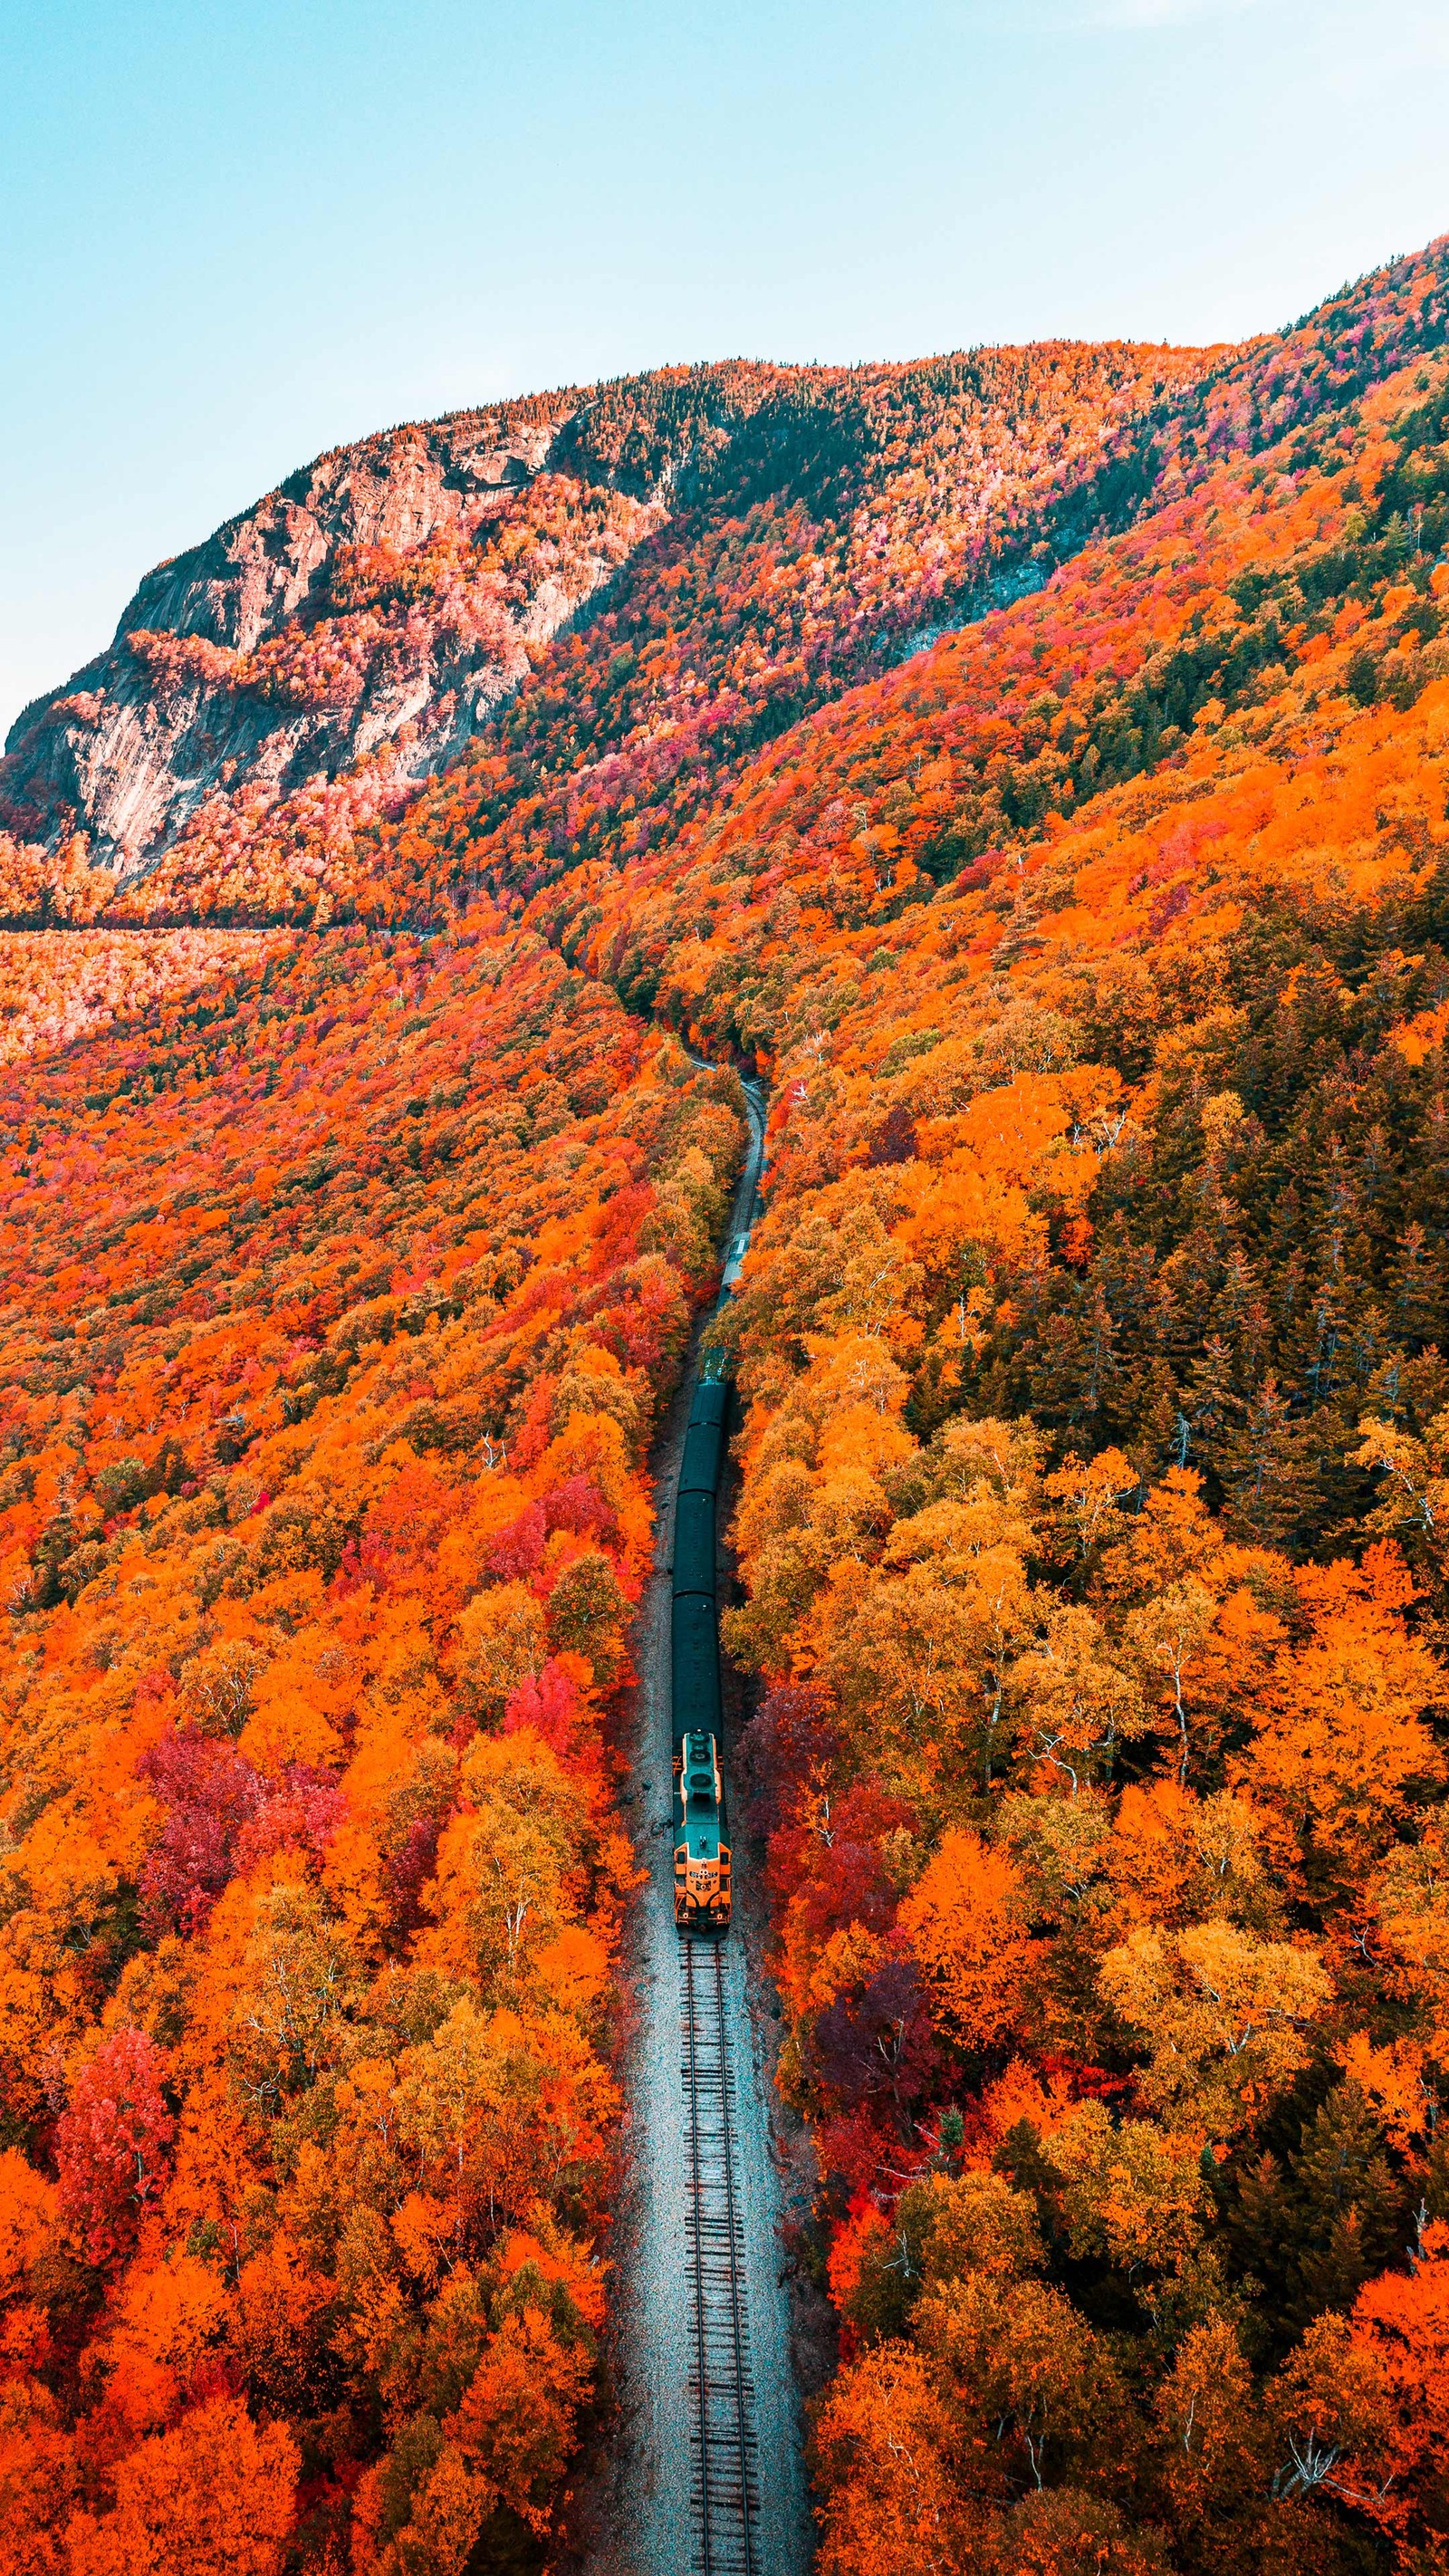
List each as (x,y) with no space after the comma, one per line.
(712,2481)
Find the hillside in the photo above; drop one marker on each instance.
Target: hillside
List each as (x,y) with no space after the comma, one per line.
(1037,765)
(760,534)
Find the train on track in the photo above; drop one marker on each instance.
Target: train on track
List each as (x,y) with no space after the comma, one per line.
(724,2496)
(701,1832)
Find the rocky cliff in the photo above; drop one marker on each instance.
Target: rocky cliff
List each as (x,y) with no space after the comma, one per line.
(389,593)
(365,620)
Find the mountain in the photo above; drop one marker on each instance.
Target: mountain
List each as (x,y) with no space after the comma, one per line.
(1036,764)
(367,619)
(389,590)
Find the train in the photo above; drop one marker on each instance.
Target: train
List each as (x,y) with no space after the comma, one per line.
(701,1853)
(702,1856)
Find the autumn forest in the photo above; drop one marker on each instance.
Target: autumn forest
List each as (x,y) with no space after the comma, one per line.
(1033,765)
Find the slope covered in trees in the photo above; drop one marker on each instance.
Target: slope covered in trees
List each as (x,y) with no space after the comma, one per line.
(757,537)
(1090,1526)
(1091,1522)
(328,1375)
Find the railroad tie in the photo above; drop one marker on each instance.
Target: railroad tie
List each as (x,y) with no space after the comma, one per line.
(724,2502)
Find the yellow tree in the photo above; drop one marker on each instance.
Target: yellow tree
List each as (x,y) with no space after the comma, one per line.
(1077,1704)
(891,2506)
(1226,2019)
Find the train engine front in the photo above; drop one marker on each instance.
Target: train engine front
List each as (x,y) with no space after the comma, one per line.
(701,1855)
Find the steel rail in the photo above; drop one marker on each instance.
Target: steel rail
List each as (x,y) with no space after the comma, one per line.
(696,2196)
(725,2501)
(737,2322)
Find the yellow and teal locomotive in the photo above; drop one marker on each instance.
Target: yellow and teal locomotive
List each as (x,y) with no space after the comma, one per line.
(701,1855)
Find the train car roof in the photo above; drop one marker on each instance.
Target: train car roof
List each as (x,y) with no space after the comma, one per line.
(711,1400)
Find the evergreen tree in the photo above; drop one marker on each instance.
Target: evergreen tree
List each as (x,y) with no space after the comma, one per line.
(1258,2218)
(1160,1434)
(1349,2215)
(1415,1288)
(1265,1465)
(1211,1405)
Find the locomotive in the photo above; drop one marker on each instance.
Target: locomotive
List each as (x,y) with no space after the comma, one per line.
(701,1856)
(701,1846)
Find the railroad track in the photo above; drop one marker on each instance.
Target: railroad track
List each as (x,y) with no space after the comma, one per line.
(724,2500)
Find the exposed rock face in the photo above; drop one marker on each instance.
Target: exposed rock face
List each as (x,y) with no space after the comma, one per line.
(389,593)
(273,692)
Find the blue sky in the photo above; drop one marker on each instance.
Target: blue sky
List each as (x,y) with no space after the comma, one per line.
(232,235)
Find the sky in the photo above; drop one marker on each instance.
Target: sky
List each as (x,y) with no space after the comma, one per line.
(236,232)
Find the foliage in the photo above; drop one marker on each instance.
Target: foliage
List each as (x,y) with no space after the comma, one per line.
(1092,1506)
(328,1376)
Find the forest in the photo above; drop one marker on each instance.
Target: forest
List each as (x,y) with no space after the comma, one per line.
(1036,767)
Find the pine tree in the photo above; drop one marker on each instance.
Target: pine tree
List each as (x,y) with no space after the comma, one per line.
(1265,1463)
(1099,1370)
(1028,2168)
(1348,2219)
(1331,2273)
(1328,1325)
(1211,1405)
(1236,1300)
(1161,1433)
(1259,2218)
(1194,1272)
(1416,1290)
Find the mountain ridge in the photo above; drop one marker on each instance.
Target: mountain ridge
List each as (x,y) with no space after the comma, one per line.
(132,745)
